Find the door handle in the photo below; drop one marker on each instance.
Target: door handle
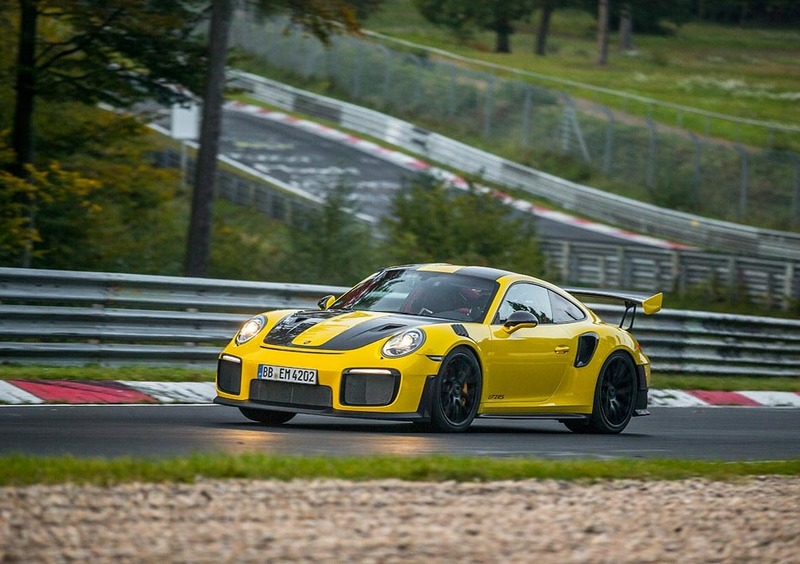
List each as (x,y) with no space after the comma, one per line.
(561,349)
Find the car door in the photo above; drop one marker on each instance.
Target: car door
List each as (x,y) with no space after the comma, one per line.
(526,365)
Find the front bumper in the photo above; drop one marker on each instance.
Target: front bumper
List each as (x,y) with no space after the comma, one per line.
(359,384)
(422,412)
(422,415)
(354,382)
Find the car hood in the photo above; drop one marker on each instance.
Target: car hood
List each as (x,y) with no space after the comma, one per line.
(340,330)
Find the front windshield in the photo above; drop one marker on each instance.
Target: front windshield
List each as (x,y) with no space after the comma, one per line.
(415,292)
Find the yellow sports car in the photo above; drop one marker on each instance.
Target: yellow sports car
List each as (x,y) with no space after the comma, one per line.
(441,345)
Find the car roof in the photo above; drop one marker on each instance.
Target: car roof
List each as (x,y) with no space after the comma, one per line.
(484,272)
(506,277)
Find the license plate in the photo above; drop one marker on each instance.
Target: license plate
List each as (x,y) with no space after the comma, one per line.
(287,374)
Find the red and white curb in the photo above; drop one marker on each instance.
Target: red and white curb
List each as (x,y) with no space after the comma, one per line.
(22,392)
(414,164)
(706,398)
(18,392)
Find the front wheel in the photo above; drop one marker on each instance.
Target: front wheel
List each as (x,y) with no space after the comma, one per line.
(266,417)
(614,398)
(457,392)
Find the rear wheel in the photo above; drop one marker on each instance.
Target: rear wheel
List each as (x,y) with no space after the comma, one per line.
(457,392)
(265,416)
(614,398)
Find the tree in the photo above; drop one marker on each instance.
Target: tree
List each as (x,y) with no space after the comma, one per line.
(498,15)
(547,8)
(51,186)
(602,31)
(647,16)
(329,245)
(320,17)
(100,51)
(625,27)
(80,52)
(455,15)
(493,15)
(92,185)
(365,8)
(432,223)
(774,12)
(198,241)
(543,29)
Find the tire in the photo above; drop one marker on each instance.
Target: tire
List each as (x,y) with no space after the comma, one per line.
(266,417)
(614,398)
(456,392)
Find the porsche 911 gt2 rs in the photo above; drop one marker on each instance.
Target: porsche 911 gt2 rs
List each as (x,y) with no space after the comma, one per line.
(441,345)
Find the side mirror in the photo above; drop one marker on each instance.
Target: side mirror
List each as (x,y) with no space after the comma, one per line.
(326,302)
(520,320)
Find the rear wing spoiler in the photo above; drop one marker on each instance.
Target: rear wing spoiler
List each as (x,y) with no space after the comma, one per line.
(650,304)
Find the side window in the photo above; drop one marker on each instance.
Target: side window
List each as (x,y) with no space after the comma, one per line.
(526,297)
(564,311)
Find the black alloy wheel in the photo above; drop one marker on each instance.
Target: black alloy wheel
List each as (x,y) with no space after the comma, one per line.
(614,398)
(457,392)
(266,417)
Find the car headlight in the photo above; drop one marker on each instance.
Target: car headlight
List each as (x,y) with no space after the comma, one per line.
(403,343)
(250,329)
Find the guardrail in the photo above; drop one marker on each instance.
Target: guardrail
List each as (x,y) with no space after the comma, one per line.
(65,317)
(695,230)
(52,317)
(771,283)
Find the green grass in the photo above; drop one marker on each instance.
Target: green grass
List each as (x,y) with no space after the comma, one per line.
(745,72)
(725,383)
(160,374)
(94,372)
(18,470)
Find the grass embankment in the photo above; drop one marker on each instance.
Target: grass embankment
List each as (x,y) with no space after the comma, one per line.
(746,72)
(23,470)
(161,374)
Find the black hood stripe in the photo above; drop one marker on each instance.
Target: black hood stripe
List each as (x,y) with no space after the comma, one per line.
(370,331)
(375,330)
(291,326)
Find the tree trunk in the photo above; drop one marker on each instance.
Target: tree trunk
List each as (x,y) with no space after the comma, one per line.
(625,28)
(22,134)
(701,9)
(503,44)
(544,28)
(602,32)
(198,243)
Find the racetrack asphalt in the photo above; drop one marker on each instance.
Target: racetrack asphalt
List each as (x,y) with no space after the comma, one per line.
(17,392)
(163,431)
(315,157)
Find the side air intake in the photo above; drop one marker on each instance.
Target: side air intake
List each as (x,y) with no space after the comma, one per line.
(587,344)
